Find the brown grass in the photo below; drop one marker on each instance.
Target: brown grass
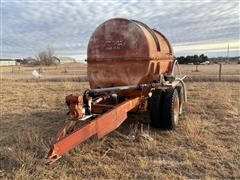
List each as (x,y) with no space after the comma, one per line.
(60,72)
(78,72)
(205,145)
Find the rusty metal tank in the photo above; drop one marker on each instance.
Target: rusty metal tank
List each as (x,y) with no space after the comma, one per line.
(125,52)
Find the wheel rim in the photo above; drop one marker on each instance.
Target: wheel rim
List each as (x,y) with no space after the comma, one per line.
(176,109)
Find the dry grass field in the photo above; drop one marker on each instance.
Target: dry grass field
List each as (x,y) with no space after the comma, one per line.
(62,72)
(205,144)
(78,72)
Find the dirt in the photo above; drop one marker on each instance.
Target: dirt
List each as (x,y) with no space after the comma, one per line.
(205,144)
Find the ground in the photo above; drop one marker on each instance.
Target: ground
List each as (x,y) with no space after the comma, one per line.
(78,71)
(205,144)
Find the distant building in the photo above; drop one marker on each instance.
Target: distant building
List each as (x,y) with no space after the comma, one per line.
(64,60)
(18,61)
(7,62)
(205,62)
(28,60)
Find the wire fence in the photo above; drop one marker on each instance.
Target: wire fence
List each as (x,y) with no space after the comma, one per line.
(78,72)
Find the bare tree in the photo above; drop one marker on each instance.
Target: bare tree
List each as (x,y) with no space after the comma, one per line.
(46,57)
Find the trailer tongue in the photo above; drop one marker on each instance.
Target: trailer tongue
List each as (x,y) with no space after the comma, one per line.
(93,124)
(130,68)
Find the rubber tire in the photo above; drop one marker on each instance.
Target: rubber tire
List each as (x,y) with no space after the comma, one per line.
(155,108)
(169,117)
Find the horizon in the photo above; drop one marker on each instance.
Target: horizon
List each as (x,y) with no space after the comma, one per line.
(192,27)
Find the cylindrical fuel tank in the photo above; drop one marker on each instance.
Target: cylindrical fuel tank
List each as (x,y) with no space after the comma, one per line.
(124,52)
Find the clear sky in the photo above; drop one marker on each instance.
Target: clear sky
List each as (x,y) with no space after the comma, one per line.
(192,26)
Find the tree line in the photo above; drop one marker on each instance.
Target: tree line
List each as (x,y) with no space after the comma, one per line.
(195,59)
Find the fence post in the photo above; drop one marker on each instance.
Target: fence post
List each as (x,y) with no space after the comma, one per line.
(196,68)
(65,69)
(220,72)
